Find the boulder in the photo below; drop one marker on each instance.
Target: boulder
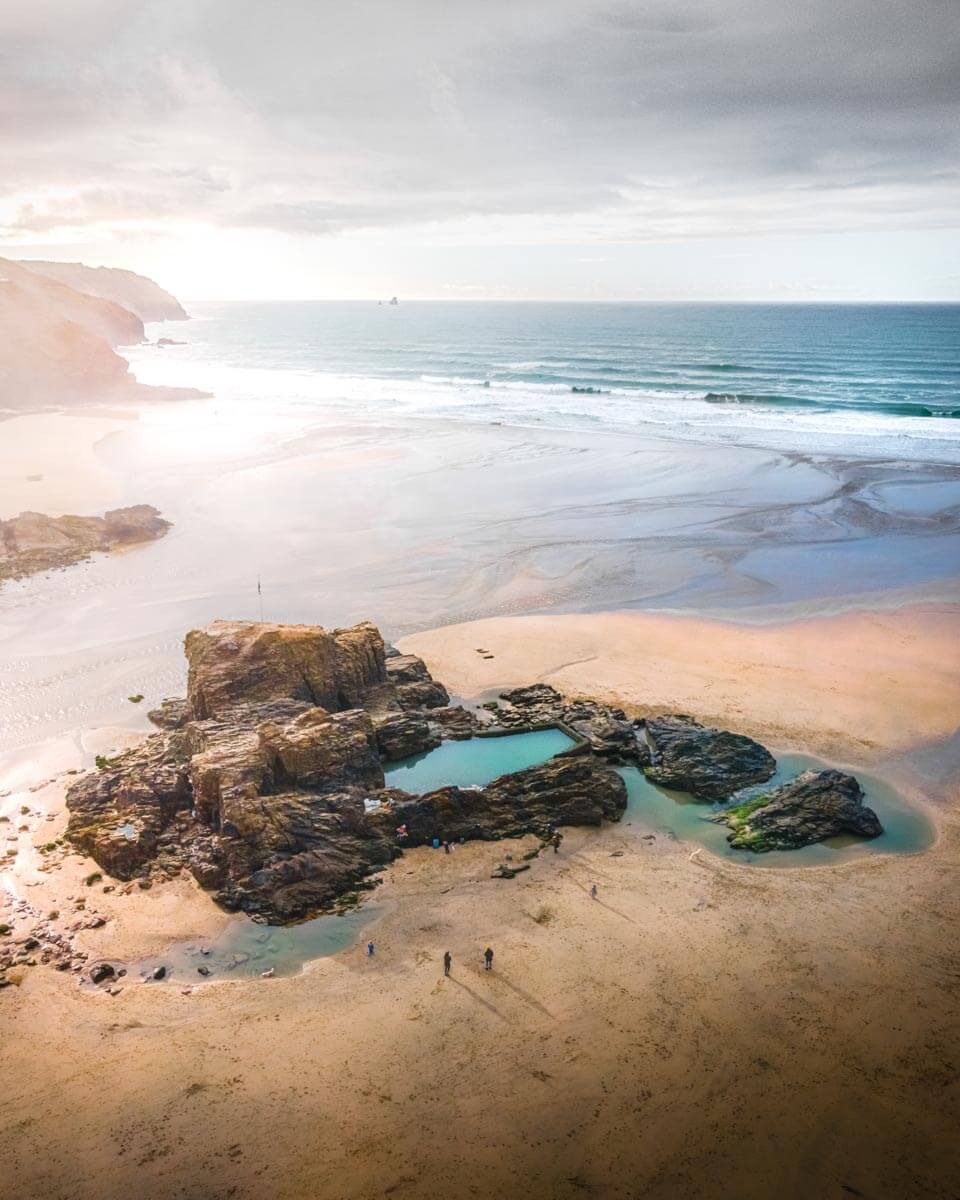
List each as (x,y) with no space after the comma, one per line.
(710,764)
(455,723)
(170,714)
(811,808)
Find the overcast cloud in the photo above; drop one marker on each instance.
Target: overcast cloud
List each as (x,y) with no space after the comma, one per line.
(517,121)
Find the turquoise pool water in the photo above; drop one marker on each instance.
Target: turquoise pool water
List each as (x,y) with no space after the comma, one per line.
(907,828)
(475,762)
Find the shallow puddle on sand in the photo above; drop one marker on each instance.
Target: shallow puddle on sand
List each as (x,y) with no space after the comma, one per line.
(246,949)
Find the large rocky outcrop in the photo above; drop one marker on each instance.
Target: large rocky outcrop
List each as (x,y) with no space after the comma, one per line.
(267,782)
(101,316)
(34,542)
(811,808)
(710,764)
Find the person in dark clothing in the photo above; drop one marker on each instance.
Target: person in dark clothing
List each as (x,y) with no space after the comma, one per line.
(447,961)
(557,839)
(488,959)
(446,847)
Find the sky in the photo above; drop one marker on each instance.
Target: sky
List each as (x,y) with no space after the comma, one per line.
(514,149)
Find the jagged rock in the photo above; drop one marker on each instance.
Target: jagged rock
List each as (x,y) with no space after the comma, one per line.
(403,734)
(710,764)
(562,791)
(425,694)
(322,751)
(811,808)
(237,662)
(101,972)
(456,723)
(406,668)
(170,714)
(529,697)
(268,783)
(118,813)
(415,688)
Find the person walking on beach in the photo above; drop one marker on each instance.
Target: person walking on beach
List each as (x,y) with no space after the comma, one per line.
(447,961)
(593,891)
(557,839)
(369,949)
(488,959)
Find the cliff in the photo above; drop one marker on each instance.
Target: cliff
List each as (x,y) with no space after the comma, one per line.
(56,342)
(137,293)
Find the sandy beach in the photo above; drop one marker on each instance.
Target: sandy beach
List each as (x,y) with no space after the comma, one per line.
(49,464)
(701,1029)
(878,682)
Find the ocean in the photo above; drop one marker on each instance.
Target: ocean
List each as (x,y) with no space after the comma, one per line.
(853,377)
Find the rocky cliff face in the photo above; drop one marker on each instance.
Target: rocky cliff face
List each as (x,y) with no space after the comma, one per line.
(33,542)
(56,340)
(234,663)
(98,315)
(133,292)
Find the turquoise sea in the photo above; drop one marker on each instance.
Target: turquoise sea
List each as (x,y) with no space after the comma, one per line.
(852,368)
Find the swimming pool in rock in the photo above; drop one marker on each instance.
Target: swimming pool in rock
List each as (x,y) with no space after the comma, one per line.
(476,761)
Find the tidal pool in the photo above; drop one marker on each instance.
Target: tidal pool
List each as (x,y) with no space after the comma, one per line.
(477,761)
(907,828)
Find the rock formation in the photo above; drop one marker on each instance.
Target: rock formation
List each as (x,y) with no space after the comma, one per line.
(59,324)
(267,780)
(134,292)
(811,808)
(710,764)
(33,542)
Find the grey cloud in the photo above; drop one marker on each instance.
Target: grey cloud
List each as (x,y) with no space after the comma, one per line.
(318,117)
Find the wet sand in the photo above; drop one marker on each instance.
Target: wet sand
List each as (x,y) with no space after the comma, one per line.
(417,523)
(700,1030)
